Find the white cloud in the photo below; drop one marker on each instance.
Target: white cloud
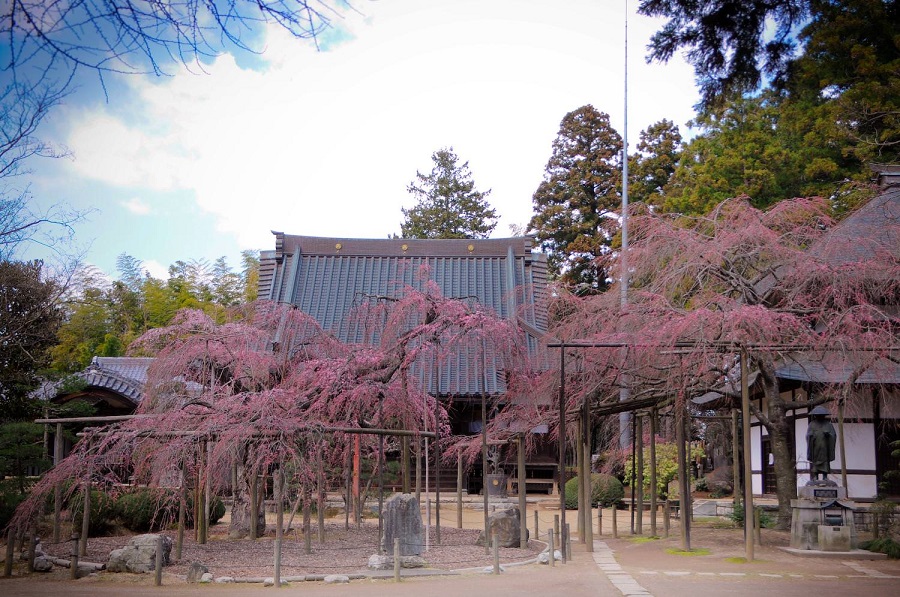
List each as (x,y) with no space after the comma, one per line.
(156,269)
(136,206)
(324,143)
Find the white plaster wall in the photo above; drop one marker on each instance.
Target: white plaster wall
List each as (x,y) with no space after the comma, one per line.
(756,458)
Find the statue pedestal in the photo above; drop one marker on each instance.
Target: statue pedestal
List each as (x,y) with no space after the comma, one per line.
(822,518)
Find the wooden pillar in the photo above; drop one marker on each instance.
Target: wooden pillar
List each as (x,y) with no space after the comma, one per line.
(748,471)
(279,523)
(459,484)
(588,481)
(654,501)
(320,502)
(735,458)
(404,459)
(562,441)
(682,477)
(437,468)
(254,505)
(582,482)
(484,448)
(841,446)
(520,465)
(57,490)
(639,483)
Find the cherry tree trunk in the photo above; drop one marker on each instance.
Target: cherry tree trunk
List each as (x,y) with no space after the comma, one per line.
(241,508)
(785,466)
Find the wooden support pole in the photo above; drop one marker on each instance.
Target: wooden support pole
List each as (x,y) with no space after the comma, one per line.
(682,478)
(520,465)
(254,505)
(841,445)
(10,552)
(484,448)
(639,482)
(404,463)
(615,522)
(537,530)
(667,514)
(748,471)
(307,517)
(85,516)
(158,564)
(582,481)
(278,480)
(735,459)
(588,533)
(57,490)
(654,498)
(562,440)
(182,506)
(32,544)
(459,490)
(437,467)
(207,489)
(320,503)
(73,570)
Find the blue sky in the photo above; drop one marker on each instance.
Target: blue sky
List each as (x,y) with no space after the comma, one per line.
(197,165)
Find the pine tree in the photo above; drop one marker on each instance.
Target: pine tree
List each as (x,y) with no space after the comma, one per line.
(448,204)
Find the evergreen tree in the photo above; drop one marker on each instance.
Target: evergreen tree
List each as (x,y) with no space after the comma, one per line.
(652,168)
(448,204)
(574,205)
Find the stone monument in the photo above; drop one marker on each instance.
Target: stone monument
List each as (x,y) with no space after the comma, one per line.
(403,520)
(822,516)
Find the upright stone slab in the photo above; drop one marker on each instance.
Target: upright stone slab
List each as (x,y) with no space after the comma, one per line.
(403,520)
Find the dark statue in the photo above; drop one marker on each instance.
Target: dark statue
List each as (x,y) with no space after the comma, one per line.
(820,441)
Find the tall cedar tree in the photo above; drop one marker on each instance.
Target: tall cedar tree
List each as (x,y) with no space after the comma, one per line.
(652,167)
(448,204)
(765,279)
(574,203)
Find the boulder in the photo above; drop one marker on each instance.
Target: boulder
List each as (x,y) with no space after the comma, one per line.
(139,556)
(385,562)
(505,525)
(196,571)
(403,520)
(42,564)
(336,578)
(207,577)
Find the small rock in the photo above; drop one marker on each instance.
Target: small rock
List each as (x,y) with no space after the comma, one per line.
(206,577)
(490,569)
(83,571)
(336,578)
(196,572)
(385,562)
(544,556)
(42,564)
(269,582)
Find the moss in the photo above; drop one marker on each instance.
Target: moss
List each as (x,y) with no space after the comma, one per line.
(697,551)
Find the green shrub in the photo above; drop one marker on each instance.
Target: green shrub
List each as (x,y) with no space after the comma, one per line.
(152,509)
(701,484)
(766,520)
(103,512)
(885,545)
(146,509)
(606,490)
(10,498)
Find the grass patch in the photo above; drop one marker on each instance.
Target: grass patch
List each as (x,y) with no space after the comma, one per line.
(736,560)
(697,551)
(643,539)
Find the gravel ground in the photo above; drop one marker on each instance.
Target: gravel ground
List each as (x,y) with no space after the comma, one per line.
(344,551)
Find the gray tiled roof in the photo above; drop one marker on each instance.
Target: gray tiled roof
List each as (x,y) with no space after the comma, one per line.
(328,278)
(125,376)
